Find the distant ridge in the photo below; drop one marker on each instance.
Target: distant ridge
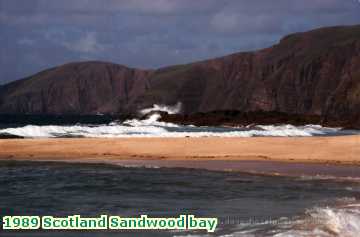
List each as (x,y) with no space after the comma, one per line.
(311,73)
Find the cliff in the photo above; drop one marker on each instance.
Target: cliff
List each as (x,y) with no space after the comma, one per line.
(75,88)
(312,73)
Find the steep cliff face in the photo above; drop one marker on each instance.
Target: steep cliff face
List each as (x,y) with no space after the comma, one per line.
(312,73)
(76,88)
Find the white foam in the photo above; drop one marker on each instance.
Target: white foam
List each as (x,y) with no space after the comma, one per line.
(337,221)
(153,128)
(328,221)
(174,109)
(152,120)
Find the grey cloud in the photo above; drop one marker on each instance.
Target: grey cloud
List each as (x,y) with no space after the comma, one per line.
(280,16)
(88,43)
(141,33)
(101,6)
(26,42)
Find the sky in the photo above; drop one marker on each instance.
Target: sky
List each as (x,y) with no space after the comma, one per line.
(38,34)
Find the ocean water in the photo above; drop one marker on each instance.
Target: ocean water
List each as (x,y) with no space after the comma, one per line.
(246,204)
(152,127)
(28,126)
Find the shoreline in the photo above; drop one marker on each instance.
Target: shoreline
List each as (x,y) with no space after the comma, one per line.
(338,150)
(307,171)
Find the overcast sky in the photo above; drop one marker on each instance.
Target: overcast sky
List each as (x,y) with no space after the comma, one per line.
(38,34)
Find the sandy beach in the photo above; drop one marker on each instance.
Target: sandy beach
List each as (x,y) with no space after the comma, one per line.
(330,150)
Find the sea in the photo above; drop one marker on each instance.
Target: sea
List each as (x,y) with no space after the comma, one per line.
(33,126)
(310,200)
(245,204)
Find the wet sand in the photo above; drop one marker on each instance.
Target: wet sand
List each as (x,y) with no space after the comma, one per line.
(340,150)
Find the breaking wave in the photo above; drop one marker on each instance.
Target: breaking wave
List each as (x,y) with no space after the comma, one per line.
(342,220)
(175,109)
(152,127)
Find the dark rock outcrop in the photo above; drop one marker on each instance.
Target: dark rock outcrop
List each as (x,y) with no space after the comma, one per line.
(237,118)
(313,73)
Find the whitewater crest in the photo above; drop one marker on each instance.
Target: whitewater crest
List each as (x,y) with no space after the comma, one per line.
(152,127)
(342,220)
(170,109)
